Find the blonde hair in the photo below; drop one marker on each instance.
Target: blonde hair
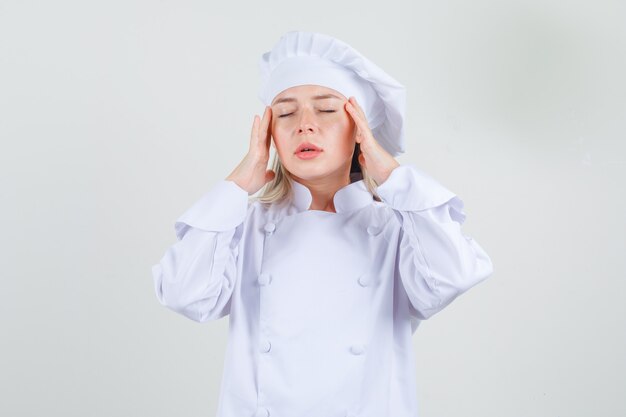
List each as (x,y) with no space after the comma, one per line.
(279,188)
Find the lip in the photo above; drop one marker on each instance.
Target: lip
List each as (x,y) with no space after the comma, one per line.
(308,154)
(309,145)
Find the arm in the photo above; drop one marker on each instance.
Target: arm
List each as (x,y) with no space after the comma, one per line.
(436,261)
(196,276)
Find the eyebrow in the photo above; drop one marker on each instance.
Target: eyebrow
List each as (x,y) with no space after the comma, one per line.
(317,97)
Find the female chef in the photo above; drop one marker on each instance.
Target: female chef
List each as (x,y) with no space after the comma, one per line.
(326,275)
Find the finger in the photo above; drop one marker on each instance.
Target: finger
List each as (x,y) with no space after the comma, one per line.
(358,107)
(365,133)
(268,128)
(264,124)
(253,132)
(356,113)
(353,112)
(358,133)
(361,124)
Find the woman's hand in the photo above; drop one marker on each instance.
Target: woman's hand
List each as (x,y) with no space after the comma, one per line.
(378,162)
(252,174)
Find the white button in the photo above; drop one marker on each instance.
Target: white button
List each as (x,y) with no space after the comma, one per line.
(266,346)
(364,280)
(270,227)
(357,349)
(264,278)
(262,412)
(373,230)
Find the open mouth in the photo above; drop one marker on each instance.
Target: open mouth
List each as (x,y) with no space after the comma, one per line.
(306,147)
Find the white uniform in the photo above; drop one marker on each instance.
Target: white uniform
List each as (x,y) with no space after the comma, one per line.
(322,305)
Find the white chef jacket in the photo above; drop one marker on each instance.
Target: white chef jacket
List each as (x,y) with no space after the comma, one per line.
(322,305)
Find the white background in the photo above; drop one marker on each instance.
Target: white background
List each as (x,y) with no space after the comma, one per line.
(115,116)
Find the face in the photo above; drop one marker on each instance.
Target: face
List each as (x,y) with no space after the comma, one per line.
(314,114)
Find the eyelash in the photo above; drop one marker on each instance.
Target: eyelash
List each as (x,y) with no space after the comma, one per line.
(323,111)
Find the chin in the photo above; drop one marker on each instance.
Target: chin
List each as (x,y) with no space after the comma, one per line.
(309,174)
(314,173)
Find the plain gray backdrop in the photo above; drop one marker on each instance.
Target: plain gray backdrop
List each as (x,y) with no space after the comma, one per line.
(115,116)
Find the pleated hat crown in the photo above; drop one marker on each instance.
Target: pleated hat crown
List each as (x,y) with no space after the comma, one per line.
(300,58)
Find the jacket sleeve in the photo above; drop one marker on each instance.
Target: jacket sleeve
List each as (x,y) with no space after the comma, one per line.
(436,261)
(196,276)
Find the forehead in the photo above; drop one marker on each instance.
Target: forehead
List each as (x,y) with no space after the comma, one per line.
(307,92)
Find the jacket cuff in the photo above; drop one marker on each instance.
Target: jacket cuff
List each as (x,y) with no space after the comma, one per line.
(222,208)
(411,189)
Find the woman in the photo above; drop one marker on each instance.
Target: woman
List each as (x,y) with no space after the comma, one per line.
(328,273)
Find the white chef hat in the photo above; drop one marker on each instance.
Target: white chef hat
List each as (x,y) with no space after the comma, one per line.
(300,58)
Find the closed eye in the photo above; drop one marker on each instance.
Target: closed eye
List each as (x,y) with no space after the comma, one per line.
(323,111)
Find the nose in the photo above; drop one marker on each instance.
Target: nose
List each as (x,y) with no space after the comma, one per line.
(306,122)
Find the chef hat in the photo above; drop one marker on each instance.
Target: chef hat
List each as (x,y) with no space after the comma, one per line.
(300,58)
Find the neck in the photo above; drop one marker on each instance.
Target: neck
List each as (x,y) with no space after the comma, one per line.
(323,191)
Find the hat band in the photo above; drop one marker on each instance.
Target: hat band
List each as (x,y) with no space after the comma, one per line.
(303,70)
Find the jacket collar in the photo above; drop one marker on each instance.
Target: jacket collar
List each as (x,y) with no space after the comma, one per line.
(350,197)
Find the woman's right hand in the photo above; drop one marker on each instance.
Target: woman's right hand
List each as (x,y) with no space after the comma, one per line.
(252,174)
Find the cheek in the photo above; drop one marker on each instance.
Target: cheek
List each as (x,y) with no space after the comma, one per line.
(279,139)
(344,130)
(278,132)
(281,129)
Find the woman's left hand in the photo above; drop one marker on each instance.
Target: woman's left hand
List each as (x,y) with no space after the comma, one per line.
(378,162)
